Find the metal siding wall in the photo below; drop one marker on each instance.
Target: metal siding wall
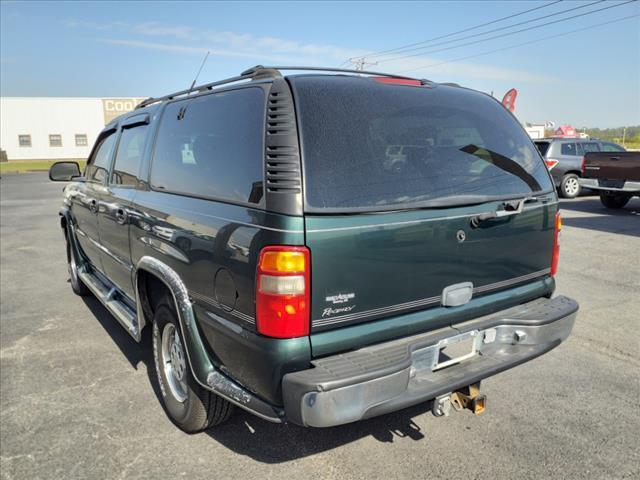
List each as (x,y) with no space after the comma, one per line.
(42,116)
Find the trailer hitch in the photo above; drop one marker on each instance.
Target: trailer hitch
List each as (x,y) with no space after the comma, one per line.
(470,398)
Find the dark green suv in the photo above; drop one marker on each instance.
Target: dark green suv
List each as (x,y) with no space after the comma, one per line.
(320,248)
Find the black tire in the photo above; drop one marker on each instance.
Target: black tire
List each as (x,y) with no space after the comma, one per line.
(614,201)
(570,186)
(199,408)
(77,286)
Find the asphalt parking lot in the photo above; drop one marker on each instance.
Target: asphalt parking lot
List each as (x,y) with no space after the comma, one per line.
(76,400)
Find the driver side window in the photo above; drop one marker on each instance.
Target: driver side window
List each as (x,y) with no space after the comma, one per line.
(98,167)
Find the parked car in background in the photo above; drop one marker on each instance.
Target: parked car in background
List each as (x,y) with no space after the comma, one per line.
(615,175)
(563,157)
(320,248)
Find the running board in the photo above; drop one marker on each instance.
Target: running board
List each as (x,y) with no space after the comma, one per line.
(108,296)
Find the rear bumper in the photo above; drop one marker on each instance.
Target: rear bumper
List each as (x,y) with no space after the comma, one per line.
(393,375)
(594,184)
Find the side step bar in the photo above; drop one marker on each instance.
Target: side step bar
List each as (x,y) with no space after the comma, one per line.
(109,298)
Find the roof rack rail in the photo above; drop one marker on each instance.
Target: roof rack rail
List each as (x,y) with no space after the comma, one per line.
(259,68)
(259,72)
(198,88)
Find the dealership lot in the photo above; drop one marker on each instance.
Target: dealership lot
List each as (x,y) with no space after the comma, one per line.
(76,400)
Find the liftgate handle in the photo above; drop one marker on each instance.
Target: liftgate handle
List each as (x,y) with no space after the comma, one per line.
(510,208)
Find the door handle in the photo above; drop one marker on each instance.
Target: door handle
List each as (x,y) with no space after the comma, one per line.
(93,206)
(121,216)
(614,158)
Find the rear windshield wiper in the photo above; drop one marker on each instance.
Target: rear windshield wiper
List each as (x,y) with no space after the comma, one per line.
(503,163)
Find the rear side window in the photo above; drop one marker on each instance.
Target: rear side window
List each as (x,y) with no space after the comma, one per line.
(586,147)
(98,166)
(212,146)
(612,147)
(568,149)
(543,147)
(130,149)
(369,146)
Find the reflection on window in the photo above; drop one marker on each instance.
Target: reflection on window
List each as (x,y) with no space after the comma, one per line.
(212,146)
(99,164)
(409,146)
(130,149)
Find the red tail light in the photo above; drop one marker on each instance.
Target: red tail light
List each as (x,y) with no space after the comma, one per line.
(551,162)
(283,291)
(582,166)
(556,245)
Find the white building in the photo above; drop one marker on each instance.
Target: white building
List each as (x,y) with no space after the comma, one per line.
(47,128)
(535,130)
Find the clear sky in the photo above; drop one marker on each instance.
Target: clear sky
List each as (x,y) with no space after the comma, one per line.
(587,78)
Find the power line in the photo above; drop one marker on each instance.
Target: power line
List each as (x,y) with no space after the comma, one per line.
(422,67)
(500,28)
(509,33)
(360,63)
(394,50)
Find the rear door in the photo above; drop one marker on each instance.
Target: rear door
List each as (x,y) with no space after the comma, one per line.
(116,203)
(389,232)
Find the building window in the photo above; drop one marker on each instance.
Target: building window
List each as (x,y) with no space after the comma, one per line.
(24,140)
(55,140)
(81,140)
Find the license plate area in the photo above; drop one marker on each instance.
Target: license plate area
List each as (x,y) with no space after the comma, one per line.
(453,350)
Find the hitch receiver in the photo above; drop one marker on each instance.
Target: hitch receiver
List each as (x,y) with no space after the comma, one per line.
(470,398)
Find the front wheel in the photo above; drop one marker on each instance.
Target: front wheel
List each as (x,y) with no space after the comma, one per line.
(570,186)
(190,406)
(614,201)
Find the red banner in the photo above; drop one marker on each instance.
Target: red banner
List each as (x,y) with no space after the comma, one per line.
(509,100)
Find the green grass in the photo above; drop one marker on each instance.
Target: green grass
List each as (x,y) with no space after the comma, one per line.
(22,166)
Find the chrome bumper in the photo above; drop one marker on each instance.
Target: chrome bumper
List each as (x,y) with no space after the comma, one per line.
(394,375)
(594,184)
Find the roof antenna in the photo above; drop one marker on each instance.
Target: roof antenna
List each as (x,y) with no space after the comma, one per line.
(198,74)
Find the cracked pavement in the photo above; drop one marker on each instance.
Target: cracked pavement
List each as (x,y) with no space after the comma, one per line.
(76,399)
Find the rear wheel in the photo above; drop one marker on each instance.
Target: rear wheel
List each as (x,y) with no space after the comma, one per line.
(188,404)
(570,186)
(77,286)
(614,201)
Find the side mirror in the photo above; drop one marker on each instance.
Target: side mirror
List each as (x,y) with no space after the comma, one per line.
(64,171)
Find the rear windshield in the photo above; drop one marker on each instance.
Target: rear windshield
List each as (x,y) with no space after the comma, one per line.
(373,146)
(543,147)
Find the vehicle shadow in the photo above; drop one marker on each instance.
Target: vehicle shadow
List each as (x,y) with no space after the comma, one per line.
(273,443)
(625,221)
(259,439)
(135,353)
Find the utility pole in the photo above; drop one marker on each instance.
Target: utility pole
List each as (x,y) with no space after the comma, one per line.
(361,62)
(624,135)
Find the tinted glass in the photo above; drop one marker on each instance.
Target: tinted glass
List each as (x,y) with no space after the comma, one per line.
(542,147)
(612,147)
(130,149)
(212,146)
(568,149)
(586,147)
(371,146)
(98,168)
